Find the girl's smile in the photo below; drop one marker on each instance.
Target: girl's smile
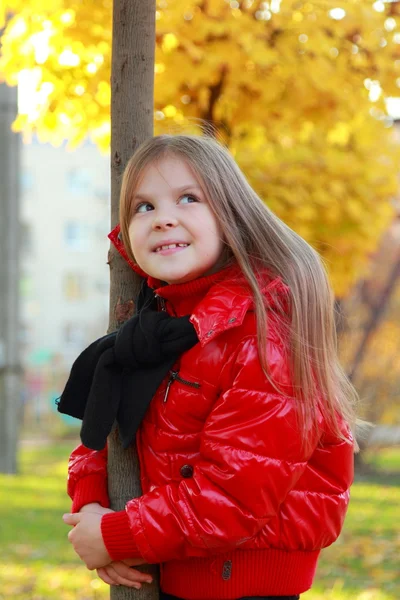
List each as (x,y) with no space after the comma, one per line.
(170,247)
(174,234)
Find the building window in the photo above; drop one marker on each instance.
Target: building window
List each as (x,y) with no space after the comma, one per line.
(74,286)
(78,181)
(103,194)
(26,180)
(102,286)
(74,334)
(76,235)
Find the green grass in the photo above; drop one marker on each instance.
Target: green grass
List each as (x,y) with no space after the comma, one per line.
(39,563)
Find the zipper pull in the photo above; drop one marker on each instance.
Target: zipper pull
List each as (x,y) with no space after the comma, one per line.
(172,378)
(161,302)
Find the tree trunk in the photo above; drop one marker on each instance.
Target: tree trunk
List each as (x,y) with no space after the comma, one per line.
(9,282)
(377,312)
(132,102)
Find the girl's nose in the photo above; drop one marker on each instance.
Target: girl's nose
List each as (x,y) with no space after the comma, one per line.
(161,223)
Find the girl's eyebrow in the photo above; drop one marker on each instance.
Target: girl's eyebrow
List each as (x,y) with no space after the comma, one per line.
(177,191)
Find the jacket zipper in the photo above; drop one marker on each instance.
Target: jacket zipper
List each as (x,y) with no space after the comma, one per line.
(161,302)
(174,376)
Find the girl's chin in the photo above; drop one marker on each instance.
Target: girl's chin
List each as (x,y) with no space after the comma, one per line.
(176,274)
(176,278)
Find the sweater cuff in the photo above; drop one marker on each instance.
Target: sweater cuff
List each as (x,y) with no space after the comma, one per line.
(92,488)
(117,536)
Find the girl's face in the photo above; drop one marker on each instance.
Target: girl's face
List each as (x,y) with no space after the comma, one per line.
(174,234)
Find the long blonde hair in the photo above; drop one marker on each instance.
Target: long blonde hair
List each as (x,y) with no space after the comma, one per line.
(253,233)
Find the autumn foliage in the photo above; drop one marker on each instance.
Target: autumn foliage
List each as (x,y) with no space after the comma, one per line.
(295,89)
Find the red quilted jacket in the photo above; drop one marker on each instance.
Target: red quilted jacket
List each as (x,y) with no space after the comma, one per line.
(232,504)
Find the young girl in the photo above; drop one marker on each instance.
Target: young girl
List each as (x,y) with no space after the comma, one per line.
(246,452)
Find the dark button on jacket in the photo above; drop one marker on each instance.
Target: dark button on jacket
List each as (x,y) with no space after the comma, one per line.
(186,471)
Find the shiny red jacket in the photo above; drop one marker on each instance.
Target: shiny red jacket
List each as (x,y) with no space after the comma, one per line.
(233,503)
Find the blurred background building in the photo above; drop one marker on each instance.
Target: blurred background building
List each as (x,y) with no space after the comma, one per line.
(64,282)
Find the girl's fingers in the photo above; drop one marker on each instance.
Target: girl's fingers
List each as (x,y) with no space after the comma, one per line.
(127,577)
(117,573)
(102,573)
(110,576)
(131,574)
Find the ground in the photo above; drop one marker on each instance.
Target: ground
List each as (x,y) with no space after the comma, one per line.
(38,563)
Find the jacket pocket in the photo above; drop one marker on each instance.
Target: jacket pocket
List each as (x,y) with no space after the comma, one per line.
(184,404)
(174,376)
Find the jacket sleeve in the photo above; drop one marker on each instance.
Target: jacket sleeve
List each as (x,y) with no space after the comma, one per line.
(87,477)
(251,456)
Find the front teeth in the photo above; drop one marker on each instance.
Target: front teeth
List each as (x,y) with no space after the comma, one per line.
(171,246)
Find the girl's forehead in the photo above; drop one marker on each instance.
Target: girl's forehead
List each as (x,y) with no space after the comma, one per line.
(170,171)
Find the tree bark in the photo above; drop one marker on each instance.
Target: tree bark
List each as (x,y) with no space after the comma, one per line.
(132,102)
(377,312)
(9,283)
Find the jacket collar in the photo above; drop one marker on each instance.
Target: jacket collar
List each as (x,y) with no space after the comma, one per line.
(223,308)
(227,303)
(219,302)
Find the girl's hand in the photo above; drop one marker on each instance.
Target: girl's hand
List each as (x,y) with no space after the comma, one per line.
(87,540)
(120,573)
(95,507)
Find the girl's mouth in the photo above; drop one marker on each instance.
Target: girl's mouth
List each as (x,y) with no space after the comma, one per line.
(170,248)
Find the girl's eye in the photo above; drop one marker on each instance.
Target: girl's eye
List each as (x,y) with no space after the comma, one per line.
(143,207)
(187,199)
